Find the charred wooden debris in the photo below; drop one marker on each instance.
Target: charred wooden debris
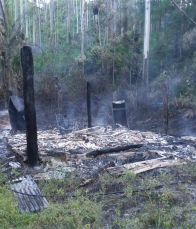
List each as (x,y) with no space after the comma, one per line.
(89,153)
(116,151)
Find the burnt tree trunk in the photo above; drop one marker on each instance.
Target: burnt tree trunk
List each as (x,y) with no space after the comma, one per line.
(29,102)
(89,105)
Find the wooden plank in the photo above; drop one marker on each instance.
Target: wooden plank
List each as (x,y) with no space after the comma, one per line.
(144,166)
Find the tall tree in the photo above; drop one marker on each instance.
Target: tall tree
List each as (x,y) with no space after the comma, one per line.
(82,28)
(77,21)
(34,16)
(51,22)
(21,15)
(16,9)
(39,25)
(145,73)
(69,21)
(26,18)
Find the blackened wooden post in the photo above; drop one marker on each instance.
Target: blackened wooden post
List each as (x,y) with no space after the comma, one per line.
(89,104)
(29,104)
(165,95)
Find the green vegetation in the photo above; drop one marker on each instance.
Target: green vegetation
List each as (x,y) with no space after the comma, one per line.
(143,204)
(113,47)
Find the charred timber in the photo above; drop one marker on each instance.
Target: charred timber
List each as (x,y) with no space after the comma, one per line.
(29,105)
(89,105)
(113,149)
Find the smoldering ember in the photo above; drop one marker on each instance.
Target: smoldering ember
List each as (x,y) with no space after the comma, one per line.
(97,114)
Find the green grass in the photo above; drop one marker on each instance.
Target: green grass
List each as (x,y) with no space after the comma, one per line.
(172,206)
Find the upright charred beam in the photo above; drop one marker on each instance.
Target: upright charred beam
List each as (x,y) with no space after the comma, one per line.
(89,105)
(29,104)
(165,96)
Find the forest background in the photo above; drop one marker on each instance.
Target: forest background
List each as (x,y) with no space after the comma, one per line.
(101,41)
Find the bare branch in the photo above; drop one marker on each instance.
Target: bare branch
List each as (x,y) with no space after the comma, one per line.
(181,10)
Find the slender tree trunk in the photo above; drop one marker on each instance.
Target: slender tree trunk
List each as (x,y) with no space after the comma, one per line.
(46,21)
(115,18)
(26,19)
(145,72)
(51,22)
(77,16)
(21,14)
(99,29)
(110,19)
(34,13)
(40,34)
(69,21)
(107,24)
(74,10)
(29,29)
(87,15)
(57,23)
(82,28)
(80,14)
(16,9)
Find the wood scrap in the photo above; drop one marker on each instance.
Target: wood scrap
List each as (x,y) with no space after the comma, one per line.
(144,166)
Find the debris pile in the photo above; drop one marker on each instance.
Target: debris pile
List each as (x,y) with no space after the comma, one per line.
(88,150)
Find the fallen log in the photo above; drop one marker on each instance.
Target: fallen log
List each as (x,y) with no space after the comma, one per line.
(113,149)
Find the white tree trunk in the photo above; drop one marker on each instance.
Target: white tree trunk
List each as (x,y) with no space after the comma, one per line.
(34,14)
(21,14)
(80,14)
(146,43)
(51,21)
(82,27)
(115,17)
(57,23)
(74,10)
(16,9)
(40,34)
(87,15)
(46,21)
(26,19)
(69,21)
(77,16)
